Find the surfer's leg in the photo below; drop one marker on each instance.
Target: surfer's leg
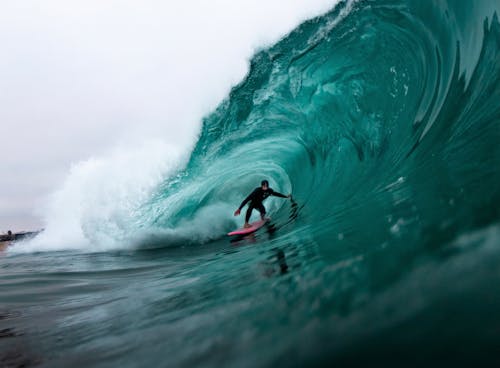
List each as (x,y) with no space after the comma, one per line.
(247,216)
(262,211)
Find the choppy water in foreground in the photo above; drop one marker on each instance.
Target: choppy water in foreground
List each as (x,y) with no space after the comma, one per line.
(383,119)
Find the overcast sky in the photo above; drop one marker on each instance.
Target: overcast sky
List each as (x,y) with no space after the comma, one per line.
(78,78)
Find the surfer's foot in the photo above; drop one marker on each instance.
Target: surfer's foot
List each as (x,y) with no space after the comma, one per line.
(247,225)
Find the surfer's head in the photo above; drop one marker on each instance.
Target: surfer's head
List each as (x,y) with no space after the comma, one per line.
(264,184)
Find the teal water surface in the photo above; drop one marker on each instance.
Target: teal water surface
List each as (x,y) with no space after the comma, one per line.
(383,120)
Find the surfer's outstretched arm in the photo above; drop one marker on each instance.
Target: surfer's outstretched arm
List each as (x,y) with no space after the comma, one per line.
(276,194)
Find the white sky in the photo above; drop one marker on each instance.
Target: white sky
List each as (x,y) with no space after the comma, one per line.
(78,78)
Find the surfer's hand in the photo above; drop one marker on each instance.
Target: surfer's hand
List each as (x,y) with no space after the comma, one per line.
(237,212)
(289,196)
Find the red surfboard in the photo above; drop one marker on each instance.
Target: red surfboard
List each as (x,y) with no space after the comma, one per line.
(254,226)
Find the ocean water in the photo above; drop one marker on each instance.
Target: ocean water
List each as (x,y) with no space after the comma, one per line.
(382,118)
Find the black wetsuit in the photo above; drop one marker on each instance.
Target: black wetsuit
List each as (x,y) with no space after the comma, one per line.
(256,198)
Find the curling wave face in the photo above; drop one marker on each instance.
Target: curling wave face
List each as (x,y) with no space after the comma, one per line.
(382,117)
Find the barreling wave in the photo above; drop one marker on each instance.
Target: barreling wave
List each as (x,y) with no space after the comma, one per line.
(382,118)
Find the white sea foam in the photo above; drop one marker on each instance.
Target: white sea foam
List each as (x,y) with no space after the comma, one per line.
(95,206)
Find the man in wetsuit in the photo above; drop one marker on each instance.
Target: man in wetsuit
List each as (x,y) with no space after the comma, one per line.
(256,198)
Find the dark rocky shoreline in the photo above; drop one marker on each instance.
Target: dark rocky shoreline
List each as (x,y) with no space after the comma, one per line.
(17,236)
(9,237)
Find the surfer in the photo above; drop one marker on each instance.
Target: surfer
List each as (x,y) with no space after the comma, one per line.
(256,198)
